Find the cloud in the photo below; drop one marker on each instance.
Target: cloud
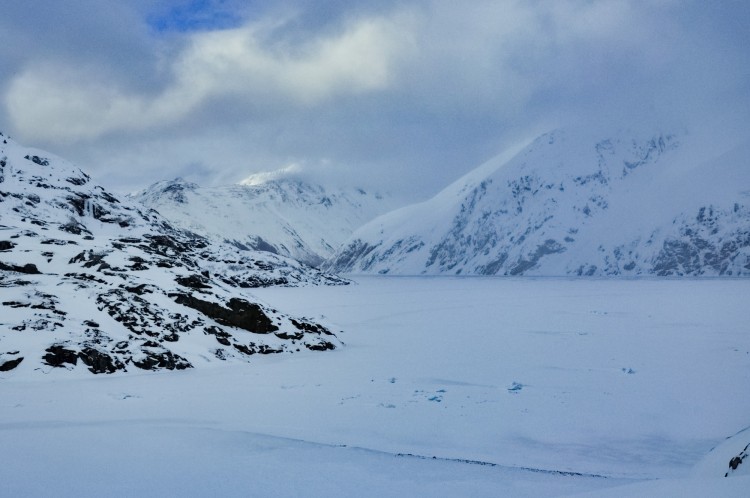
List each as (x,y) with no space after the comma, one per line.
(403,95)
(62,103)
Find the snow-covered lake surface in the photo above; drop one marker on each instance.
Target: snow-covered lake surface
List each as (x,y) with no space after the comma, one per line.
(446,387)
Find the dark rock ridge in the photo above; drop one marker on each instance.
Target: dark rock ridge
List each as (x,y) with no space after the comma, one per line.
(93,283)
(737,460)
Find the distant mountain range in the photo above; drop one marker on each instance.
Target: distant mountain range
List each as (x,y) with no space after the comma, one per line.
(93,283)
(283,216)
(574,202)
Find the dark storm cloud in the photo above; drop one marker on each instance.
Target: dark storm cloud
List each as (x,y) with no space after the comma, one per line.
(401,95)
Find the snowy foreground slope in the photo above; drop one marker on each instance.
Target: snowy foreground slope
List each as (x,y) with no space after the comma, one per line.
(517,387)
(281,215)
(575,203)
(95,284)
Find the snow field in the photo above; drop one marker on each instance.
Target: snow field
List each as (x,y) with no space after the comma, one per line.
(559,386)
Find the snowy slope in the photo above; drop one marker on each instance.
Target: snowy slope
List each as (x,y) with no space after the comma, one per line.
(89,282)
(280,215)
(575,203)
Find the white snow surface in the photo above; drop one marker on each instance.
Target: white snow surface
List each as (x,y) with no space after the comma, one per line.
(446,386)
(575,202)
(282,215)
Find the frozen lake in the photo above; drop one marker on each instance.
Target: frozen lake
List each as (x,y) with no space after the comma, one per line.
(446,387)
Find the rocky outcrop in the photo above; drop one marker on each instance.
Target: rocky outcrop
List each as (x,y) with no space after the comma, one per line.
(92,283)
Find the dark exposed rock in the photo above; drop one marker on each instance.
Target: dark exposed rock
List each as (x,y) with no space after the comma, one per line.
(737,460)
(698,250)
(58,242)
(10,364)
(222,337)
(99,361)
(164,244)
(240,313)
(286,335)
(245,349)
(29,269)
(550,246)
(91,259)
(74,227)
(139,289)
(86,277)
(78,203)
(194,282)
(6,245)
(16,304)
(162,360)
(265,349)
(322,346)
(139,264)
(76,181)
(255,282)
(58,356)
(41,161)
(14,283)
(311,327)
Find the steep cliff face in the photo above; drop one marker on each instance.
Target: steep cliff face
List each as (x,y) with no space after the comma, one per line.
(93,283)
(574,203)
(282,216)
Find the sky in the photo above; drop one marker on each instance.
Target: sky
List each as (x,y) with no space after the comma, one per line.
(400,96)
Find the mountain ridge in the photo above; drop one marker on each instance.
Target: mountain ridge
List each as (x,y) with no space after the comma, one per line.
(573,202)
(280,215)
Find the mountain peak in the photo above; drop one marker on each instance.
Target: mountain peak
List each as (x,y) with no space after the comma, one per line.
(282,214)
(572,202)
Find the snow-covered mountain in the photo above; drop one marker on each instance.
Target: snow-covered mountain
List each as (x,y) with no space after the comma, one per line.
(88,281)
(280,215)
(575,203)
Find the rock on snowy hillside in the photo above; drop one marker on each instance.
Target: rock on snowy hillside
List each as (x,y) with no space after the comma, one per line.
(89,282)
(575,203)
(279,215)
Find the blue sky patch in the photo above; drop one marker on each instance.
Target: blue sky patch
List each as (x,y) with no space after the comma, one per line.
(195,15)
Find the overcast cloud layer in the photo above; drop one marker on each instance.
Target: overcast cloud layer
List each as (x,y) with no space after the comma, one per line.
(403,96)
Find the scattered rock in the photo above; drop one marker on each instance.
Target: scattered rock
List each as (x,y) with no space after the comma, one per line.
(320,346)
(222,337)
(240,313)
(58,356)
(10,364)
(99,361)
(194,282)
(29,269)
(736,461)
(162,360)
